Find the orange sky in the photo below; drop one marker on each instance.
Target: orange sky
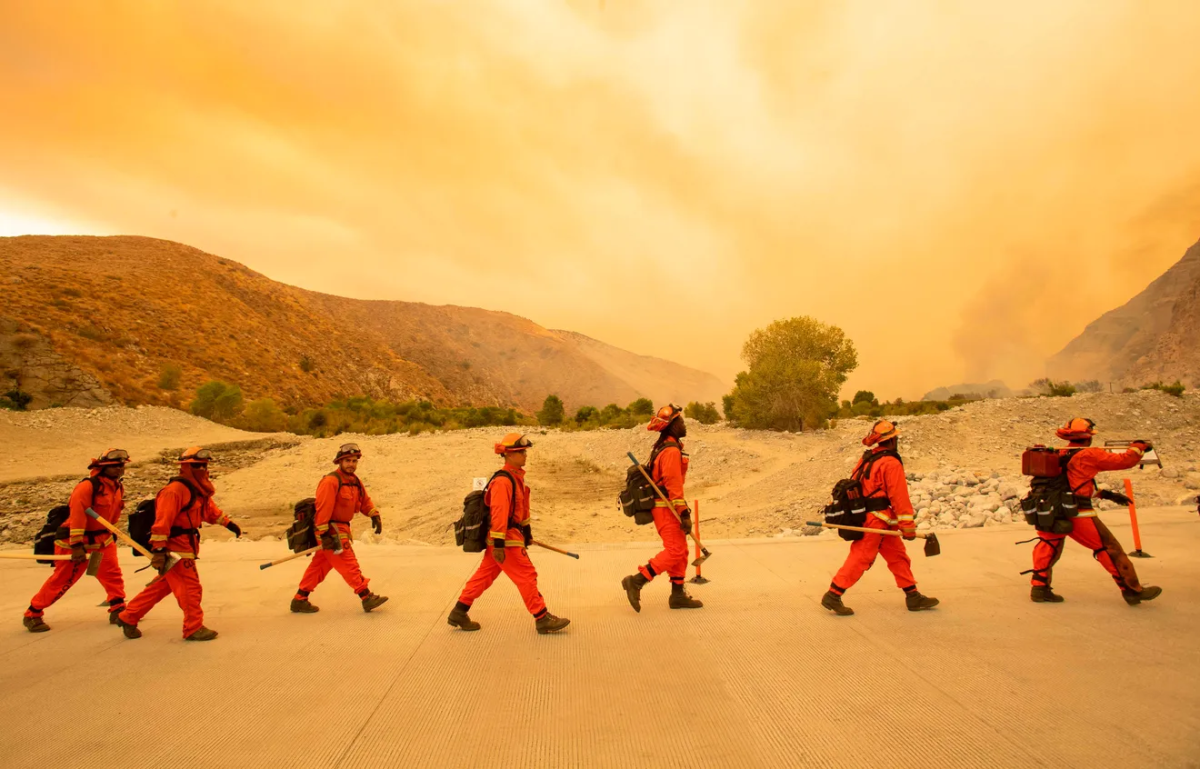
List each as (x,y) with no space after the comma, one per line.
(961,186)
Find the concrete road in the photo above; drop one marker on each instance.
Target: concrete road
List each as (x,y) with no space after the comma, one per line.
(761,676)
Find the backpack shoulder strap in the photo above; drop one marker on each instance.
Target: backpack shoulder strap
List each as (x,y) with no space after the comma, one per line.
(512,506)
(341,483)
(193,492)
(1064,459)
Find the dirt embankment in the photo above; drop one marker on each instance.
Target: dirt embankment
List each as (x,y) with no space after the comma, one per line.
(963,467)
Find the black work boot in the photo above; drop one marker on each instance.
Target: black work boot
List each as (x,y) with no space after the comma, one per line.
(1149,593)
(833,602)
(36,625)
(303,606)
(1043,594)
(548,623)
(112,617)
(203,634)
(130,631)
(681,600)
(916,602)
(458,618)
(633,585)
(373,601)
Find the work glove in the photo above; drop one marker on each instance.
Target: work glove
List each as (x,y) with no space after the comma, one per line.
(1113,496)
(158,559)
(377,522)
(1141,446)
(908,534)
(237,530)
(331,541)
(527,531)
(498,550)
(685,521)
(78,553)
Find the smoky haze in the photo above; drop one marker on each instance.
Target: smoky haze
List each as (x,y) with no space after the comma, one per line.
(962,187)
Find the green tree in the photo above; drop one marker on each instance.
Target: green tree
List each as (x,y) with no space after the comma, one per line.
(170,377)
(217,401)
(642,407)
(795,368)
(264,416)
(552,412)
(864,395)
(704,413)
(586,413)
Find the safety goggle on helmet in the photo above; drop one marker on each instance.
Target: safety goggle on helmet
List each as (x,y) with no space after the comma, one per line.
(111,458)
(347,450)
(513,443)
(195,456)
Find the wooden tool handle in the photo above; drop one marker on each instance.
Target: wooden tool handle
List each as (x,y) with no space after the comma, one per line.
(119,534)
(555,549)
(887,532)
(291,557)
(660,494)
(35,557)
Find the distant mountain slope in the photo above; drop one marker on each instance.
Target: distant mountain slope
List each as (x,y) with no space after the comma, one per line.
(121,309)
(1152,336)
(992,389)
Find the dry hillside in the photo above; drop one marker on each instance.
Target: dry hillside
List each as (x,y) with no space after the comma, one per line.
(108,314)
(1151,337)
(964,465)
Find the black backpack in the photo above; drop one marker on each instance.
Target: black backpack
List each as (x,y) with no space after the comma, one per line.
(849,506)
(302,534)
(55,526)
(1051,503)
(471,531)
(638,498)
(142,518)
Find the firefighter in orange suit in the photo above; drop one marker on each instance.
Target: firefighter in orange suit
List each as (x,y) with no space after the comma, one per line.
(340,496)
(668,470)
(882,476)
(179,509)
(507,498)
(1083,464)
(102,491)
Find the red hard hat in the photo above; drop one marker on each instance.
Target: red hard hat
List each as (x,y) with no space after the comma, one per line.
(664,417)
(1077,429)
(881,431)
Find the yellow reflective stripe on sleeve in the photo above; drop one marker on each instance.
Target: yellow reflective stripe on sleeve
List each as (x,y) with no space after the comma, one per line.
(1086,514)
(514,543)
(660,503)
(77,532)
(884,518)
(159,537)
(906,517)
(496,534)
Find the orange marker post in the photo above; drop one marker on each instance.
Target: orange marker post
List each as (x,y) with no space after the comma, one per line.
(1137,536)
(698,579)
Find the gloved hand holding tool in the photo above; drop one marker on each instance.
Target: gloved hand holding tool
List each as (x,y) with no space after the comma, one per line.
(498,551)
(158,560)
(237,530)
(170,560)
(331,540)
(932,546)
(78,552)
(685,521)
(704,554)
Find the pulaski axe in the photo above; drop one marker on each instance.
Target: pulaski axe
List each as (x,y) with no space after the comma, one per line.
(932,546)
(704,554)
(171,560)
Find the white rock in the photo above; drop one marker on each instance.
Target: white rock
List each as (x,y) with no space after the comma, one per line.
(975,520)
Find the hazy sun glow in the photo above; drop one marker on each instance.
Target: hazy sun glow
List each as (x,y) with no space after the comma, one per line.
(961,186)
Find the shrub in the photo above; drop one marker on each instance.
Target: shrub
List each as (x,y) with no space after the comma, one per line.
(585,414)
(1052,389)
(1090,386)
(552,412)
(264,416)
(704,413)
(16,400)
(1175,389)
(642,407)
(170,377)
(217,401)
(864,395)
(306,364)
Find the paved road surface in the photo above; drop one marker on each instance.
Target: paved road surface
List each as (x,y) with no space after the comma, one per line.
(761,676)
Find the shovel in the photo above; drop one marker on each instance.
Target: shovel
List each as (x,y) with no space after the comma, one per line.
(932,546)
(704,554)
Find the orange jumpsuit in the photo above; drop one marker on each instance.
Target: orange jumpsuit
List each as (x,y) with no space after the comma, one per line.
(177,528)
(886,479)
(669,472)
(108,499)
(1088,530)
(499,498)
(337,504)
